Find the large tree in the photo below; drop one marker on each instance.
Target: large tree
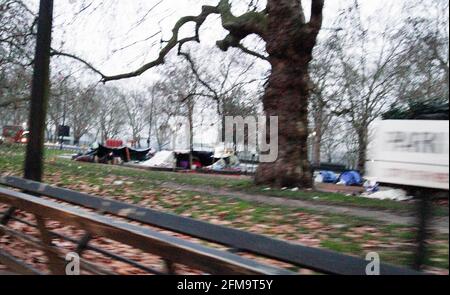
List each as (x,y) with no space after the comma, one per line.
(290,40)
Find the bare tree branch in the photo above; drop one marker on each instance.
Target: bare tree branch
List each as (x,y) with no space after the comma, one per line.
(90,66)
(239,27)
(316,15)
(7,103)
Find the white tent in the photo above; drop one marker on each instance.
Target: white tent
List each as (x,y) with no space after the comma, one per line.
(163,159)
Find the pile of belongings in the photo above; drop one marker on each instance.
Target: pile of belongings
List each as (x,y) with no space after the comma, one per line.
(348,178)
(105,155)
(225,160)
(389,194)
(371,186)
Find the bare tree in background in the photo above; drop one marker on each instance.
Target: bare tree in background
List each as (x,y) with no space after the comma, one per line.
(81,111)
(163,113)
(331,145)
(325,97)
(163,133)
(17,35)
(424,62)
(181,89)
(368,78)
(111,112)
(14,95)
(230,85)
(136,108)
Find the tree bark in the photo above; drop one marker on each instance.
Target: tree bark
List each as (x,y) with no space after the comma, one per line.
(362,150)
(289,44)
(190,107)
(317,140)
(317,157)
(76,140)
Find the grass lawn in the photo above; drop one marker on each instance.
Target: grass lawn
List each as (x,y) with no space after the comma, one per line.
(242,185)
(342,233)
(247,186)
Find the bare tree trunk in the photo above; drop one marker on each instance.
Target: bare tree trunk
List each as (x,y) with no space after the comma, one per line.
(362,150)
(317,158)
(317,140)
(16,115)
(76,140)
(191,131)
(287,95)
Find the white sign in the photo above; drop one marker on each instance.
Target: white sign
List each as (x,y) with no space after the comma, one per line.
(410,152)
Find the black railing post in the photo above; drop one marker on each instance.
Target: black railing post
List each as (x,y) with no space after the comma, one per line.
(39,93)
(424,211)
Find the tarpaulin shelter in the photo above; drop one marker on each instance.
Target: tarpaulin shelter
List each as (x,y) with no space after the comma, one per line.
(126,154)
(351,178)
(179,159)
(163,159)
(329,177)
(199,159)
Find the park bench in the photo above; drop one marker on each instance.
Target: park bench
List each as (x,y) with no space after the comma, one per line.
(106,220)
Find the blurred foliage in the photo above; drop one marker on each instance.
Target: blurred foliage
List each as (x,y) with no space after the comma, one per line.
(418,110)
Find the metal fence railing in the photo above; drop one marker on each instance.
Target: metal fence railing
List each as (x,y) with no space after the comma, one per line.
(59,203)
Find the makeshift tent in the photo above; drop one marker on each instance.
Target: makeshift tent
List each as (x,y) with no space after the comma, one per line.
(329,177)
(88,157)
(351,178)
(124,153)
(199,159)
(164,159)
(105,154)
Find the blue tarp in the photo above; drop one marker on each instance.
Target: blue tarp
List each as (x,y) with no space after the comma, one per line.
(351,178)
(329,176)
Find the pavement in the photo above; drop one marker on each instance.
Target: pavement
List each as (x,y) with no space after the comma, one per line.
(440,224)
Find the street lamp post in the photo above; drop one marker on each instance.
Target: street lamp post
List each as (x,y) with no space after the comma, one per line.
(39,93)
(149,141)
(63,126)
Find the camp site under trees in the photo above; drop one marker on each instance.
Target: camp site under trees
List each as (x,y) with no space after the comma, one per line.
(242,137)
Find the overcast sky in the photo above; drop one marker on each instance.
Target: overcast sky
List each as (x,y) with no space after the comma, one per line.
(113,36)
